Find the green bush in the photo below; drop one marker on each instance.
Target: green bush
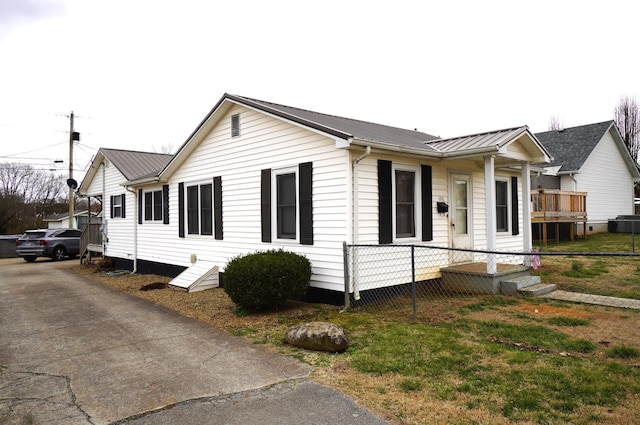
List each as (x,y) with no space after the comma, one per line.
(266,280)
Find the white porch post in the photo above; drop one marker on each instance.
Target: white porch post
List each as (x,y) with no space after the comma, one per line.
(490,206)
(526,210)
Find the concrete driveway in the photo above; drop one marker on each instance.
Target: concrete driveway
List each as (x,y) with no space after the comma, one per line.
(73,351)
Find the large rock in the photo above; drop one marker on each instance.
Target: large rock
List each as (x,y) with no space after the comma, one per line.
(318,336)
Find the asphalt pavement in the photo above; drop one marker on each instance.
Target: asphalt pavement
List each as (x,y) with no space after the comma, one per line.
(75,352)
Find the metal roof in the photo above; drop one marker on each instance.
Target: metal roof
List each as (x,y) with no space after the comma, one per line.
(341,127)
(477,141)
(136,165)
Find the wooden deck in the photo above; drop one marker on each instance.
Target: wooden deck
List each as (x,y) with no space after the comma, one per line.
(553,206)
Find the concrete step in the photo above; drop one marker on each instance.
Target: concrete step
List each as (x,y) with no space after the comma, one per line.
(511,286)
(537,290)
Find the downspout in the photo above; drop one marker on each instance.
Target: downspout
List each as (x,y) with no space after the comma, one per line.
(367,152)
(135,229)
(104,228)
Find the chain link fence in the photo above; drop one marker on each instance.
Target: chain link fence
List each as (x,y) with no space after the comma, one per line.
(401,274)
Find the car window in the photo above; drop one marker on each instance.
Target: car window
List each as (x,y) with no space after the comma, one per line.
(71,233)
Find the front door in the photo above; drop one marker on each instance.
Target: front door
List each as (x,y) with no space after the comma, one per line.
(460,217)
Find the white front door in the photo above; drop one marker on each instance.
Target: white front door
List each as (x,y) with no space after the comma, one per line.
(460,216)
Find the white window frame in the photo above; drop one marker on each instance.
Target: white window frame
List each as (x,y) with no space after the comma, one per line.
(199,185)
(506,180)
(274,204)
(417,199)
(117,206)
(153,218)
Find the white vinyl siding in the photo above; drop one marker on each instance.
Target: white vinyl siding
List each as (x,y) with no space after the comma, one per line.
(264,142)
(609,185)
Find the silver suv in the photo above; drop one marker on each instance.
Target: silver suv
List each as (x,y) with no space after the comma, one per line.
(53,243)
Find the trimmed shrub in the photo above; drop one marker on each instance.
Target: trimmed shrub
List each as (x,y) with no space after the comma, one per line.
(266,280)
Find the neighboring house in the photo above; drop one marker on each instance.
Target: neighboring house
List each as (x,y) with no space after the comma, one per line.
(256,175)
(593,159)
(61,221)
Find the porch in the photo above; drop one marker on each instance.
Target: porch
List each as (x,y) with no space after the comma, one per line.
(554,206)
(91,242)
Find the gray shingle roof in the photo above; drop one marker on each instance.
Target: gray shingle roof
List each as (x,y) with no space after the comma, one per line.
(571,147)
(342,127)
(136,165)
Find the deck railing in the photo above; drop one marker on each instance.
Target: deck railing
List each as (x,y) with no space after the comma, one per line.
(553,205)
(91,239)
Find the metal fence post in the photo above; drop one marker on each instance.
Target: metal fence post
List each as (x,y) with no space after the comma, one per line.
(413,280)
(345,259)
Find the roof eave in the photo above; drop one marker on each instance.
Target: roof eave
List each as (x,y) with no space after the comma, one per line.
(395,148)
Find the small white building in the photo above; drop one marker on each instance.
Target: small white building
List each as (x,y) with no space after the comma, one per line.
(255,175)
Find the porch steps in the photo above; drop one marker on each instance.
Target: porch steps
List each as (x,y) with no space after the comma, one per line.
(525,285)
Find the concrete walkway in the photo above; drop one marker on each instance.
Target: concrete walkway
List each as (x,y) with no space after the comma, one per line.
(593,299)
(74,352)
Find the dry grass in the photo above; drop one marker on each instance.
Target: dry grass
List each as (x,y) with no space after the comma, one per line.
(383,394)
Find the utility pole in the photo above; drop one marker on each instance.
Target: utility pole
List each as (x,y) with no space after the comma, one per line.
(71,189)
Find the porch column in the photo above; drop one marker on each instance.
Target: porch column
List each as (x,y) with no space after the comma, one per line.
(490,207)
(526,210)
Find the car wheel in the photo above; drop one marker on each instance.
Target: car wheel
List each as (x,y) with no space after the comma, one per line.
(30,258)
(59,253)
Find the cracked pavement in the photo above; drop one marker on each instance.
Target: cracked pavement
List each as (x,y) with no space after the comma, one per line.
(73,351)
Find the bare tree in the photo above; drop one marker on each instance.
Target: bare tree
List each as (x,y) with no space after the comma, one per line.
(28,195)
(555,123)
(165,148)
(627,118)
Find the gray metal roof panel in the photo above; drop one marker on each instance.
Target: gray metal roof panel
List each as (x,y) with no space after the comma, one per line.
(572,146)
(343,127)
(476,141)
(134,165)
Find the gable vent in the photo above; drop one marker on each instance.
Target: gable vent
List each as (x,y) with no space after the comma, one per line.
(235,125)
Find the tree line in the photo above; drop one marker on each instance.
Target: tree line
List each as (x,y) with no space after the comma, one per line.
(29,195)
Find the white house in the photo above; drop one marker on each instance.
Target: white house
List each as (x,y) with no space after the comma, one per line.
(593,159)
(255,175)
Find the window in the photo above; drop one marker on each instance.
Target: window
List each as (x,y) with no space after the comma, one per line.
(118,206)
(405,207)
(196,202)
(235,125)
(153,206)
(157,205)
(286,211)
(405,194)
(200,209)
(502,206)
(287,204)
(206,210)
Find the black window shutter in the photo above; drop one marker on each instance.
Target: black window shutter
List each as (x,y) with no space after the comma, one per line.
(217,207)
(265,204)
(181,210)
(385,209)
(139,206)
(306,202)
(123,205)
(165,204)
(515,228)
(111,204)
(427,208)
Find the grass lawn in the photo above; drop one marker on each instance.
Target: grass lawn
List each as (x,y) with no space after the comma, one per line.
(466,359)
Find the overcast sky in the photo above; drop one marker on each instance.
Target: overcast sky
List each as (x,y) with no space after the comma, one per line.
(141,74)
